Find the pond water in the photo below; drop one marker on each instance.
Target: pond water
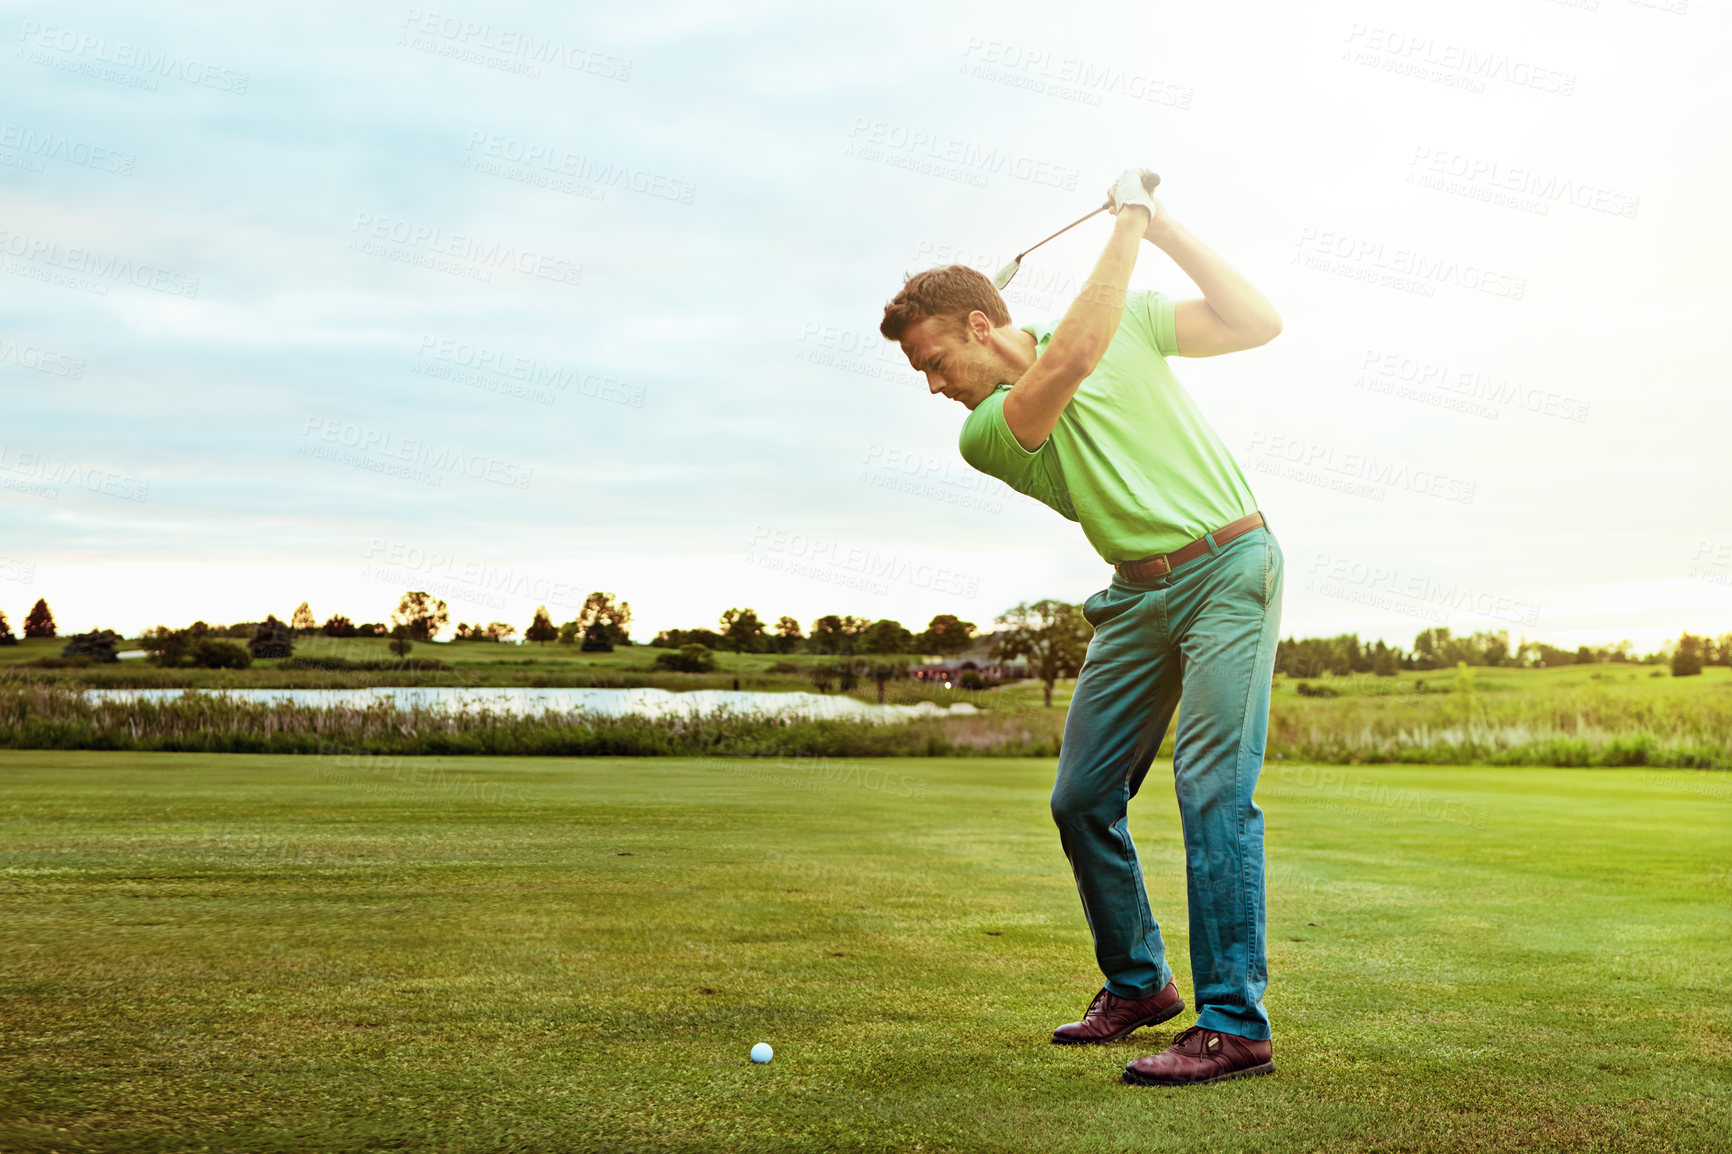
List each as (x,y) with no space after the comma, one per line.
(610,702)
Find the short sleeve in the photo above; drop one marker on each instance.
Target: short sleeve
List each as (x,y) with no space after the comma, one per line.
(988,445)
(1152,314)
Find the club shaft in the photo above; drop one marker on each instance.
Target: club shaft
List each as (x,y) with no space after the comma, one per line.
(1065,229)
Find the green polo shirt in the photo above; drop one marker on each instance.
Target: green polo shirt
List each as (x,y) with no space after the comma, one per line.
(1131,459)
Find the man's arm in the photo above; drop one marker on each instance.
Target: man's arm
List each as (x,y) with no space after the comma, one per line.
(1230,315)
(1033,405)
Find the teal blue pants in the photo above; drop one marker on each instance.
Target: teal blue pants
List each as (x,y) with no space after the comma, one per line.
(1200,640)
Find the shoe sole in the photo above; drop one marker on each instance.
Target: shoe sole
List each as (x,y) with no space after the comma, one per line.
(1136,1079)
(1174,1012)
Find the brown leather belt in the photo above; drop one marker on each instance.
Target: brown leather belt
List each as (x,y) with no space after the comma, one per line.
(1166,562)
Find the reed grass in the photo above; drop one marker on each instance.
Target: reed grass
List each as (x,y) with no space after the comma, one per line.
(1560,726)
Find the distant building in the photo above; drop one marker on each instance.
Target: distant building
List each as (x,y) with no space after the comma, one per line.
(952,671)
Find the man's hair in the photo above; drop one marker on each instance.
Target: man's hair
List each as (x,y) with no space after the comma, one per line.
(951,292)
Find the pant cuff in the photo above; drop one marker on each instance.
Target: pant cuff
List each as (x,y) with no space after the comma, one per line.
(1120,990)
(1256,1029)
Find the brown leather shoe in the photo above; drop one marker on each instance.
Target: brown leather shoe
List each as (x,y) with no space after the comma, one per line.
(1111,1017)
(1198,1056)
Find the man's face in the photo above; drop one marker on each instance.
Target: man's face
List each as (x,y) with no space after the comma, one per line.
(959,364)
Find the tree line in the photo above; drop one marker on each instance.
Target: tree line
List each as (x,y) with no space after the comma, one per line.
(1050,634)
(743,631)
(1437,648)
(602,623)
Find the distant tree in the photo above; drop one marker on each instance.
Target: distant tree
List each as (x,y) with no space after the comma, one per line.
(1052,635)
(674,638)
(542,629)
(97,645)
(1722,650)
(833,634)
(301,621)
(167,647)
(1687,657)
(884,671)
(211,653)
(176,648)
(338,626)
(1428,645)
(947,634)
(788,637)
(402,639)
(1437,649)
(272,639)
(1385,662)
(689,659)
(425,615)
(39,622)
(500,631)
(743,630)
(603,622)
(828,636)
(569,632)
(6,637)
(466,632)
(372,629)
(1550,656)
(886,636)
(1314,656)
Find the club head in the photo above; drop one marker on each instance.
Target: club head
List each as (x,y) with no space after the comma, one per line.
(1005,273)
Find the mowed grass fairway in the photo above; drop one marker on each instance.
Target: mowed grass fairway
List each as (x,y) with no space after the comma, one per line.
(309,954)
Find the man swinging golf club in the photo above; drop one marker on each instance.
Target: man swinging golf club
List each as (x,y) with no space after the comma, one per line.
(1087,417)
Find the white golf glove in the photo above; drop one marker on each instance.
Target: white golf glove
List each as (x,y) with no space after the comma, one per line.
(1130,189)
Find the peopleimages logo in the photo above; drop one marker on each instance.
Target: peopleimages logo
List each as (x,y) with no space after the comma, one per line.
(479,42)
(89,262)
(473,573)
(46,145)
(894,144)
(404,455)
(436,242)
(42,360)
(478,364)
(99,56)
(1361,473)
(44,473)
(852,566)
(579,167)
(1387,587)
(1069,77)
(1408,269)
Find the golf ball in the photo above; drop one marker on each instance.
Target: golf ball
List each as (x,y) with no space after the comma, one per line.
(762,1053)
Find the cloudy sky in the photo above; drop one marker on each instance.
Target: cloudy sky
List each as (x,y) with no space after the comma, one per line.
(511,302)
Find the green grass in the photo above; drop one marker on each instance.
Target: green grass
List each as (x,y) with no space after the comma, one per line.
(323,954)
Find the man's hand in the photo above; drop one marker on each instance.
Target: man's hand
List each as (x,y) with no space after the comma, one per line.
(1129,190)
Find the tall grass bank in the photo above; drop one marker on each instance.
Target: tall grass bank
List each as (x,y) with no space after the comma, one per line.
(1559,726)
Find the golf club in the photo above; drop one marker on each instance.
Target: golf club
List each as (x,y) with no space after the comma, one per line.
(1151,181)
